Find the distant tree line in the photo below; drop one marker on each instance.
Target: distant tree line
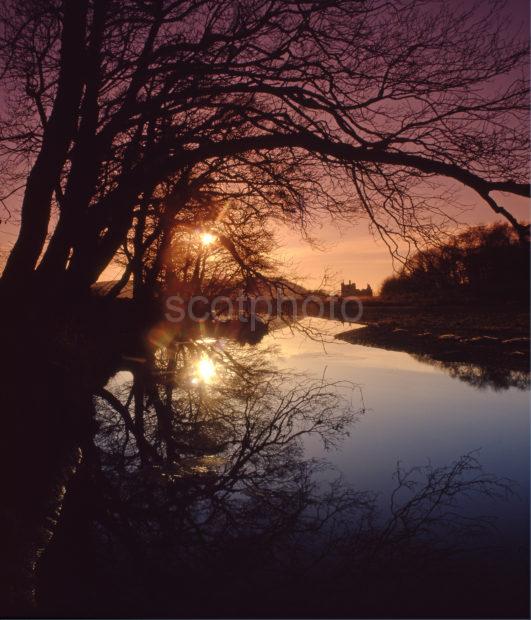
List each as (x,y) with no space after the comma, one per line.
(484,262)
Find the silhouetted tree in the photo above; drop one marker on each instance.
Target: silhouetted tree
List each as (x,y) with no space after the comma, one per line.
(176,259)
(360,101)
(484,262)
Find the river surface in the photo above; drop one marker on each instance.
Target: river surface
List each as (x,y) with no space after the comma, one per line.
(415,412)
(300,476)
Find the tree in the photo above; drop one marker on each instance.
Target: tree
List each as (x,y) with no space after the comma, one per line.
(362,102)
(483,262)
(166,248)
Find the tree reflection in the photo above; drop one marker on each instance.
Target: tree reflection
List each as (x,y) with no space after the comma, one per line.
(196,497)
(215,411)
(480,376)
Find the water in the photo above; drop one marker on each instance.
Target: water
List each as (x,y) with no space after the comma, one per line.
(415,412)
(264,475)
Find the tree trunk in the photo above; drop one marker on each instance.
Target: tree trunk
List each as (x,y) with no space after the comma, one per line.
(85,163)
(45,175)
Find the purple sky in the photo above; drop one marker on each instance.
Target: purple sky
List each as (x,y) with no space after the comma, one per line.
(349,252)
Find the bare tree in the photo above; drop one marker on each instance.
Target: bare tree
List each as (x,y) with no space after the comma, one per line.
(371,101)
(473,264)
(166,246)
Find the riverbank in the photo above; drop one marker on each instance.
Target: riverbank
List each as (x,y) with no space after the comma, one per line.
(494,335)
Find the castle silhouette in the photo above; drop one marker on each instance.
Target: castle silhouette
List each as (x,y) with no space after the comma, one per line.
(350,290)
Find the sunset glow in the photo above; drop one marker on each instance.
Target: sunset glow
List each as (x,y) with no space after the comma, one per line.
(272,260)
(207,238)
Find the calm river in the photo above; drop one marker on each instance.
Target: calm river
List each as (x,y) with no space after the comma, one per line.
(302,476)
(416,412)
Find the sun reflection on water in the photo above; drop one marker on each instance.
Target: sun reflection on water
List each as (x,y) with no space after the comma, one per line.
(205,370)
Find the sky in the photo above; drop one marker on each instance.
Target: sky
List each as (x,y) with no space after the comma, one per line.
(353,253)
(346,252)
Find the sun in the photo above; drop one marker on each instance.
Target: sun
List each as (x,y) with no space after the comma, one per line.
(207,238)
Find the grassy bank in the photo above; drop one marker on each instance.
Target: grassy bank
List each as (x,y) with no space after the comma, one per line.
(495,334)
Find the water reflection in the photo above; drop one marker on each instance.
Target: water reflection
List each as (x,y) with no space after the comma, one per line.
(205,370)
(195,497)
(498,378)
(194,399)
(498,365)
